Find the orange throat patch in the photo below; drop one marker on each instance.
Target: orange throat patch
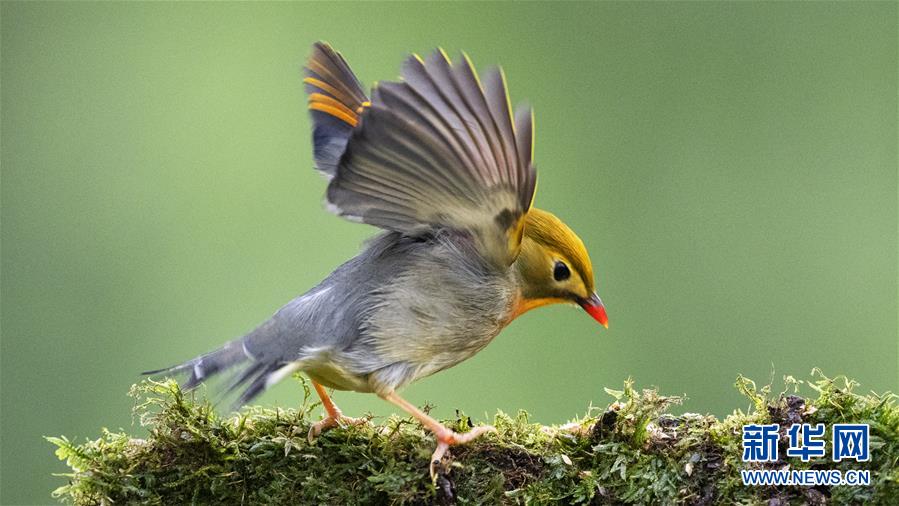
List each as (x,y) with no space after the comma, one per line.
(523,305)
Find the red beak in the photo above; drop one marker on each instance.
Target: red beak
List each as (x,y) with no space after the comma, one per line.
(593,306)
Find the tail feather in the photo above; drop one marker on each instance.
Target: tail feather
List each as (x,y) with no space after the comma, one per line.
(257,384)
(240,378)
(255,375)
(336,102)
(206,366)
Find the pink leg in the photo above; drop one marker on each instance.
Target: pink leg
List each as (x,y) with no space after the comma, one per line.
(333,418)
(445,437)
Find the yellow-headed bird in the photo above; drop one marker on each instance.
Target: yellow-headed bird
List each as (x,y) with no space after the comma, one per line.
(440,163)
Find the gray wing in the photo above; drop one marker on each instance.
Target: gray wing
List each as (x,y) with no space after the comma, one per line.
(441,150)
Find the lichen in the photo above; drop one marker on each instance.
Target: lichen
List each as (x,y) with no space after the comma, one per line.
(633,451)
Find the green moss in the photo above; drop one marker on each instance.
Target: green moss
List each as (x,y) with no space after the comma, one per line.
(633,452)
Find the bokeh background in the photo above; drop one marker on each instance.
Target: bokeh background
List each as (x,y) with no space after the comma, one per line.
(731,166)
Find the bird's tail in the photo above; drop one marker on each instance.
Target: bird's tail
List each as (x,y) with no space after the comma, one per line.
(256,374)
(205,366)
(336,102)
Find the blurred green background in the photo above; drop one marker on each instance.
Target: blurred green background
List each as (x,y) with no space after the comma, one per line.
(731,166)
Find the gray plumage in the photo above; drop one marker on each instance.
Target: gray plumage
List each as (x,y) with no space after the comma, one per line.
(365,327)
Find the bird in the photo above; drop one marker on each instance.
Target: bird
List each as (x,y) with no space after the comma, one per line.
(442,165)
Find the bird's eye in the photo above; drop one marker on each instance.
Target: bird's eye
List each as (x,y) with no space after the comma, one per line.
(560,271)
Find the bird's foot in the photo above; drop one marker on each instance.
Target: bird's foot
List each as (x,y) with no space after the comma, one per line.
(329,422)
(447,438)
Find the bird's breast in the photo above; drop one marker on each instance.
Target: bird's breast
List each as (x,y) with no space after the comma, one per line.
(440,313)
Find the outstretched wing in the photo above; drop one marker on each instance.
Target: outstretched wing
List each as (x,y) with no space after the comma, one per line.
(441,150)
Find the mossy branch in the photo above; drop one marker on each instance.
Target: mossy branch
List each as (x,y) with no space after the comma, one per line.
(632,452)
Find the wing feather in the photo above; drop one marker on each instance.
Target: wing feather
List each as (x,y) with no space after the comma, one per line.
(524,142)
(469,86)
(500,110)
(396,98)
(441,150)
(403,140)
(438,110)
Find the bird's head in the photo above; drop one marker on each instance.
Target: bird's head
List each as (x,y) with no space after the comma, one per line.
(553,267)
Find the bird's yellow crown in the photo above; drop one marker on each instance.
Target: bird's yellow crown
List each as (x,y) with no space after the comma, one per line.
(553,266)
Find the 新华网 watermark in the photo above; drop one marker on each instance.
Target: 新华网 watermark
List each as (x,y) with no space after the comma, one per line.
(806,442)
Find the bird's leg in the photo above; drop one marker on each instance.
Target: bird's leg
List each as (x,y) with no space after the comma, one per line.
(333,418)
(445,437)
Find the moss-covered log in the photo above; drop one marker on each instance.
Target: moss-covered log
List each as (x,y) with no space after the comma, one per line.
(631,452)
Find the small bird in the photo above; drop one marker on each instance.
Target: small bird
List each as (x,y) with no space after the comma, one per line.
(441,164)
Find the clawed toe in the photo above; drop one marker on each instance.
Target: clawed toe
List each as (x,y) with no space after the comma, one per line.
(329,422)
(319,427)
(474,433)
(450,438)
(445,437)
(436,458)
